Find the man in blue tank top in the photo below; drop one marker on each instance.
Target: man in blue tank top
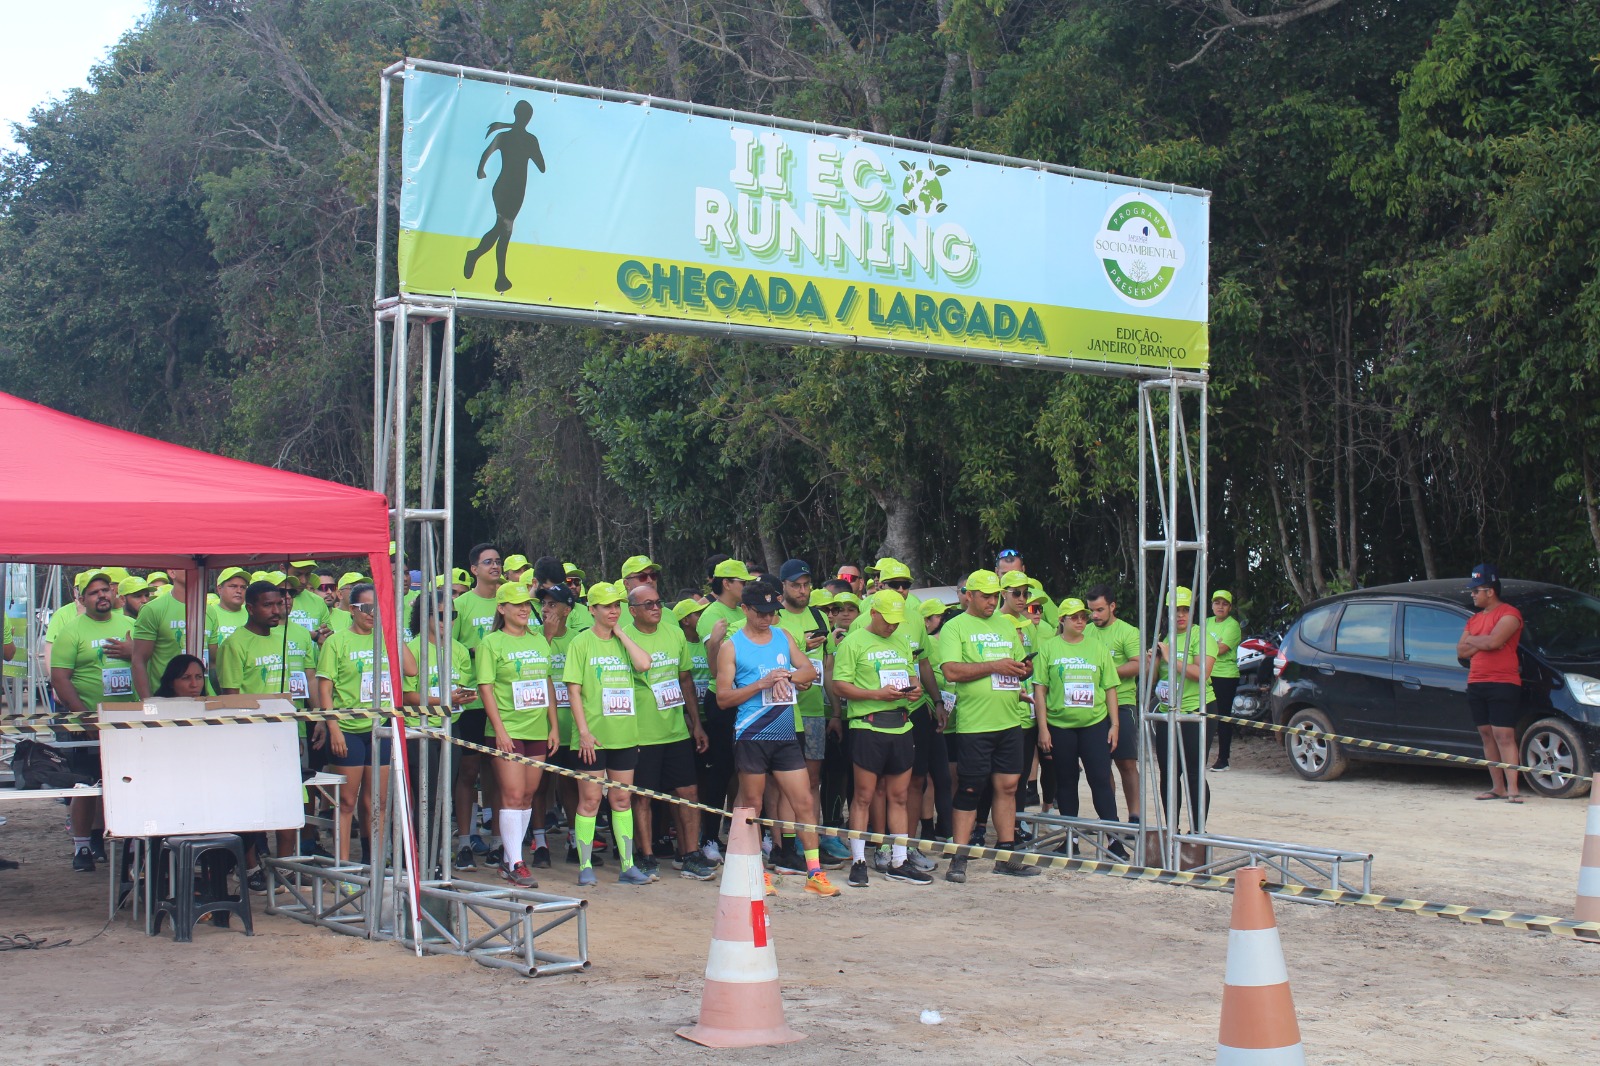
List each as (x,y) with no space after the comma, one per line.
(760,671)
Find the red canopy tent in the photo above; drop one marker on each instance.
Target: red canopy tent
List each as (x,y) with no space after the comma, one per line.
(87,494)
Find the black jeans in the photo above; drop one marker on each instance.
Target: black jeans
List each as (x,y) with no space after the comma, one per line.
(1090,746)
(1193,766)
(714,766)
(1225,688)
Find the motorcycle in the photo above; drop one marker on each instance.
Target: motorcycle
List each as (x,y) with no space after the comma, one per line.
(1258,670)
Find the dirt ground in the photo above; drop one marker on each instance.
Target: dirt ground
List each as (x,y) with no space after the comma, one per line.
(1079,968)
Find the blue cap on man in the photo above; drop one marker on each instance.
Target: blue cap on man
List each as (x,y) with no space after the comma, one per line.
(1483,576)
(793,570)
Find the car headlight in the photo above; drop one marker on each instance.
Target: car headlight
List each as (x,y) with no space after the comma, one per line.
(1584,689)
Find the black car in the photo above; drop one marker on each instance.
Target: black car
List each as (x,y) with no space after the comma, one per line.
(1380,664)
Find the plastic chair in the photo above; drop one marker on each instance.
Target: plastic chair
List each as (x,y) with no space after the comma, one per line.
(187,896)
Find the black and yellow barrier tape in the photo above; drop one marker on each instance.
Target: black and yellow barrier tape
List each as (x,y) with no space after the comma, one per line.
(85,724)
(1397,749)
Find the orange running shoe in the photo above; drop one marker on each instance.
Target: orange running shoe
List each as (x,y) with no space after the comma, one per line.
(818,884)
(772,889)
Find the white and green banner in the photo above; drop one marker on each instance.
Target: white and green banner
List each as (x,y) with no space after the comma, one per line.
(544,199)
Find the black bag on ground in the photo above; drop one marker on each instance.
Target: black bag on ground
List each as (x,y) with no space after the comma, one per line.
(36,765)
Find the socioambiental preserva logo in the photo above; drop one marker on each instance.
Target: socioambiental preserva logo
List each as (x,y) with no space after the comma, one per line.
(1138,249)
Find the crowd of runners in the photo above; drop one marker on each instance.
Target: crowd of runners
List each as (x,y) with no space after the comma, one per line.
(844,702)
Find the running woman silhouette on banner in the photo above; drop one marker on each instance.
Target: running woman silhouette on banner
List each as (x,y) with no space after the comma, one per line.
(517,148)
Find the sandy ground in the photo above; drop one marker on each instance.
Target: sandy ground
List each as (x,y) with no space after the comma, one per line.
(1068,967)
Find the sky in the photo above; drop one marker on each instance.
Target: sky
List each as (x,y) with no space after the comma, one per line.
(54,43)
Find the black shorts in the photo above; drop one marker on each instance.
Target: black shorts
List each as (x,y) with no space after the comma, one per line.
(473,725)
(1127,736)
(767,756)
(924,736)
(566,758)
(884,754)
(1494,703)
(666,767)
(619,759)
(996,752)
(952,747)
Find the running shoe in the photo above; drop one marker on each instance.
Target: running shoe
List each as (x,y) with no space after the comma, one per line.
(633,876)
(256,879)
(1028,797)
(97,844)
(651,868)
(586,877)
(465,859)
(1118,850)
(858,875)
(1221,766)
(541,857)
(478,846)
(787,861)
(880,860)
(677,861)
(572,854)
(818,885)
(696,868)
(957,873)
(712,851)
(1016,869)
(1023,835)
(772,889)
(835,848)
(496,856)
(83,861)
(920,861)
(519,875)
(910,875)
(829,862)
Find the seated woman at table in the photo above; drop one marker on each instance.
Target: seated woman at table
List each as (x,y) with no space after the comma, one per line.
(184,678)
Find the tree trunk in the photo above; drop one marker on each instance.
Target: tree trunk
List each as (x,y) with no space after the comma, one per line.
(902,535)
(1589,506)
(945,109)
(1419,513)
(771,546)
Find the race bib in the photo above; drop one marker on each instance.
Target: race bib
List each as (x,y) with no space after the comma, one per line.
(530,695)
(562,699)
(1078,693)
(817,665)
(668,694)
(900,679)
(616,701)
(1163,692)
(1004,683)
(366,686)
(116,681)
(700,690)
(779,695)
(949,701)
(299,688)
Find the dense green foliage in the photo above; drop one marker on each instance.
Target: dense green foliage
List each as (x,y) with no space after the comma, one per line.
(1405,296)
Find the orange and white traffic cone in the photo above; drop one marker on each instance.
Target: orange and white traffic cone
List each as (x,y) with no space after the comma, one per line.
(741,1005)
(1588,908)
(1258,1022)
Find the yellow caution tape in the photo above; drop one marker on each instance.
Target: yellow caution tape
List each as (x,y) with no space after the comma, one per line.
(91,724)
(1398,749)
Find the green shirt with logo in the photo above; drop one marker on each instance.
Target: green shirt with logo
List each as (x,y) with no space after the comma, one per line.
(282,661)
(519,670)
(347,660)
(461,676)
(308,610)
(989,703)
(603,675)
(1075,679)
(715,612)
(80,647)
(811,702)
(164,622)
(1121,641)
(658,697)
(869,661)
(1226,632)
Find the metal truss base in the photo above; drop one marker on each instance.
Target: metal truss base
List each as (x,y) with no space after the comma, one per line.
(321,891)
(495,926)
(1290,864)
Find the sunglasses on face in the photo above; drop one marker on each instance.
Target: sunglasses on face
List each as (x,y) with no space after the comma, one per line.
(364,608)
(898,586)
(327,586)
(646,605)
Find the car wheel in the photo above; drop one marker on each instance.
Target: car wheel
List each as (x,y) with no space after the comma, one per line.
(1553,748)
(1315,758)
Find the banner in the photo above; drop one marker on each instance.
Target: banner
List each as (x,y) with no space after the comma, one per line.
(534,198)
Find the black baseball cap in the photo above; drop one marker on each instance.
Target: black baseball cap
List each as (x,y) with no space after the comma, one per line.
(557,594)
(793,570)
(1483,576)
(761,598)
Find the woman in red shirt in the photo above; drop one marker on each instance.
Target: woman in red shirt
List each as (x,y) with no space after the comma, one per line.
(1494,679)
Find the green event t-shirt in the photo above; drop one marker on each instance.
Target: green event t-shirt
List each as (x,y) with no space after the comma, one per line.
(700,670)
(164,622)
(580,618)
(867,660)
(519,670)
(80,647)
(658,698)
(339,620)
(811,702)
(1075,679)
(603,676)
(715,612)
(58,618)
(308,610)
(461,676)
(16,633)
(256,665)
(221,623)
(1121,641)
(1226,632)
(989,703)
(1189,647)
(558,670)
(346,660)
(473,617)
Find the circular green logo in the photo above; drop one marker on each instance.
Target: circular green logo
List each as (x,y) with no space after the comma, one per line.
(1138,249)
